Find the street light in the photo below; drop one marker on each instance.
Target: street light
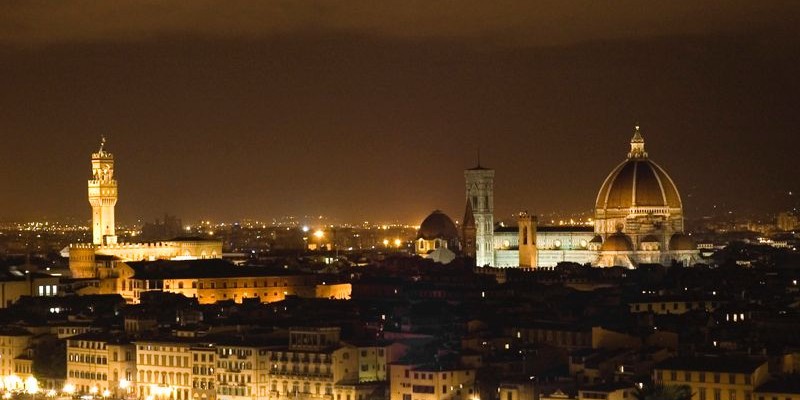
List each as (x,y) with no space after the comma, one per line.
(31,385)
(68,389)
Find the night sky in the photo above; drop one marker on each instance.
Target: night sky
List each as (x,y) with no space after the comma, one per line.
(365,110)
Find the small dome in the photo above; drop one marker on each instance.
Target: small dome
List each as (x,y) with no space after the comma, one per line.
(681,242)
(437,226)
(617,242)
(596,239)
(650,239)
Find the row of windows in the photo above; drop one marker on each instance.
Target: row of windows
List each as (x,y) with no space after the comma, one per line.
(224,285)
(164,360)
(87,359)
(303,357)
(164,378)
(203,357)
(151,347)
(234,378)
(87,375)
(701,392)
(83,344)
(689,376)
(663,306)
(295,388)
(424,375)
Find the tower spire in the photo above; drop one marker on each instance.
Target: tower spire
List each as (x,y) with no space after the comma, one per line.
(479,157)
(637,144)
(102,142)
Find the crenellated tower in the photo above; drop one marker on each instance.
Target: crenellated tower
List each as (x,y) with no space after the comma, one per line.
(103,196)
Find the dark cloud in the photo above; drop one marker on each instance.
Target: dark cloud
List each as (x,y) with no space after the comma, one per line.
(510,22)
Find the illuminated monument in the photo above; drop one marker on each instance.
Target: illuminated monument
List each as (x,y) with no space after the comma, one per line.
(480,198)
(97,259)
(638,219)
(639,214)
(103,196)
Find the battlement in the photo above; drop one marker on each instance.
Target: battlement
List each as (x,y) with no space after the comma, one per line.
(102,155)
(81,246)
(98,182)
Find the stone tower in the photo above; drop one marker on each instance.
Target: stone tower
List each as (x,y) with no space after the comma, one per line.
(103,196)
(468,231)
(528,253)
(480,192)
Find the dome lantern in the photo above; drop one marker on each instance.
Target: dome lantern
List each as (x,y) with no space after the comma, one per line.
(637,144)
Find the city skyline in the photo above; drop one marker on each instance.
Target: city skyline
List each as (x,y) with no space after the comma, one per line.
(363,121)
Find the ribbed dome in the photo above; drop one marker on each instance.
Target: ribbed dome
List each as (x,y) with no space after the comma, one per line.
(638,182)
(617,242)
(437,226)
(681,242)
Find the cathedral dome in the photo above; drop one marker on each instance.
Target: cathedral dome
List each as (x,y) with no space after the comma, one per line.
(681,242)
(437,226)
(638,182)
(617,242)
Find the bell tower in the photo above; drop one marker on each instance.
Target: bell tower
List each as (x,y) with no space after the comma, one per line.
(103,196)
(480,196)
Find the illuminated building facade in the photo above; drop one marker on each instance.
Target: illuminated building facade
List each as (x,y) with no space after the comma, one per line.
(100,364)
(421,382)
(164,369)
(13,342)
(714,378)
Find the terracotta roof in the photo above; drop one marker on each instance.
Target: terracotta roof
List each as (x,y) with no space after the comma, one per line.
(437,226)
(638,183)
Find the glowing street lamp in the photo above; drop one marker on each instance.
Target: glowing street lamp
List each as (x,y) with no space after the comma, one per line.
(93,390)
(319,233)
(68,389)
(106,393)
(31,385)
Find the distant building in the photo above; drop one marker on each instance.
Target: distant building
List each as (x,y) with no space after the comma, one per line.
(428,382)
(787,221)
(170,228)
